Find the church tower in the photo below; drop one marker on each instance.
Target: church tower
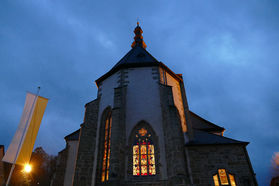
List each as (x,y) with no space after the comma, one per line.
(140,131)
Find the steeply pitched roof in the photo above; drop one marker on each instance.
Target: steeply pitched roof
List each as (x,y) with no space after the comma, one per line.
(205,138)
(204,125)
(73,136)
(137,55)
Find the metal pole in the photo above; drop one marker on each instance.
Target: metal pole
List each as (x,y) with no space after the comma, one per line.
(10,175)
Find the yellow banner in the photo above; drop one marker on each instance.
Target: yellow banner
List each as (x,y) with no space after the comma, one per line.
(32,131)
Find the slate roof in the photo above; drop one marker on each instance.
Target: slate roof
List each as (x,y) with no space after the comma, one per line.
(73,136)
(205,138)
(137,55)
(204,125)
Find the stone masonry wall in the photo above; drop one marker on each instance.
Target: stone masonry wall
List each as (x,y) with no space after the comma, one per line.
(58,179)
(87,143)
(118,137)
(205,160)
(174,141)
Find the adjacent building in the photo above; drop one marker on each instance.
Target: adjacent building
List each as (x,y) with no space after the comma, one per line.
(2,166)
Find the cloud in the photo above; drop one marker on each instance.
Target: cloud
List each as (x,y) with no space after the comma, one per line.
(227,52)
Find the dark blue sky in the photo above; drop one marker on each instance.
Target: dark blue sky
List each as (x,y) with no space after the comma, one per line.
(226,50)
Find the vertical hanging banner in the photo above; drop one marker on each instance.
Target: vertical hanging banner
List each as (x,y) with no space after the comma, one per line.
(21,147)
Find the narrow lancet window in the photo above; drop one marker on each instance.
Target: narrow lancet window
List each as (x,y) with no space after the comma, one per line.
(143,154)
(232,180)
(216,181)
(106,155)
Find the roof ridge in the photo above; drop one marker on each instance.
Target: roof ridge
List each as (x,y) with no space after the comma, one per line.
(205,138)
(209,122)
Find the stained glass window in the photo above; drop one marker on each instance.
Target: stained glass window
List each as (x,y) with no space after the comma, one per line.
(232,180)
(143,154)
(106,155)
(215,179)
(222,178)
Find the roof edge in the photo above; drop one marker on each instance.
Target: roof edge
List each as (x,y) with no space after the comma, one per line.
(140,64)
(210,123)
(73,133)
(210,144)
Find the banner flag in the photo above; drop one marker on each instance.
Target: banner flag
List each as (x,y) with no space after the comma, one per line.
(21,147)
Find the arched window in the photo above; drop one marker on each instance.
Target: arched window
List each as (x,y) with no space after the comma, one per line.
(143,153)
(106,152)
(222,178)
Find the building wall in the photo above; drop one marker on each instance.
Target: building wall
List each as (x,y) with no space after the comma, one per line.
(167,79)
(58,178)
(205,160)
(142,102)
(2,173)
(106,98)
(87,143)
(70,165)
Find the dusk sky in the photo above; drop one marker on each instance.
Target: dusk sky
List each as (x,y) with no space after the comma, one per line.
(227,51)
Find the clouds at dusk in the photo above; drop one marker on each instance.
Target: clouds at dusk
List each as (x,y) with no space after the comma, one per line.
(227,52)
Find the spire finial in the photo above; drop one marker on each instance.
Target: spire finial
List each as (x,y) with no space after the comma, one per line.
(138,39)
(137,21)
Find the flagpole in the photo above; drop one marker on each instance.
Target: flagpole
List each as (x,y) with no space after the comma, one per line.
(20,144)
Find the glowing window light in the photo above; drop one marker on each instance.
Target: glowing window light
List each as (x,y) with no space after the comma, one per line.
(223,177)
(216,182)
(106,155)
(232,180)
(143,154)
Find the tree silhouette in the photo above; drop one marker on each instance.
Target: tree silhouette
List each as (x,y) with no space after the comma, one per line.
(43,167)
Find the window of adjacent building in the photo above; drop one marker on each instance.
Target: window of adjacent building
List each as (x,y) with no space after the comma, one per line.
(222,178)
(232,180)
(106,155)
(216,181)
(143,154)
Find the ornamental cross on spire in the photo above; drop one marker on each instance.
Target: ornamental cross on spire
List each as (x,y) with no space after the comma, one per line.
(138,39)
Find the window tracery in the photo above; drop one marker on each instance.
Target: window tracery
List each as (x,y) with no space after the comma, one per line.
(223,178)
(143,154)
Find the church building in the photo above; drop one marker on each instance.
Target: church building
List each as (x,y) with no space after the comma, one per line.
(140,131)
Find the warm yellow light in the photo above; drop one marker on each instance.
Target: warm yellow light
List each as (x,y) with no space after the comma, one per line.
(27,168)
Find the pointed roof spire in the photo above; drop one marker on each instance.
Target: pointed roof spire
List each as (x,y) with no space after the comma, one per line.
(138,39)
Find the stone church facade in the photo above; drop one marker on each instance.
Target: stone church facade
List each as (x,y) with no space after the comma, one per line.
(140,131)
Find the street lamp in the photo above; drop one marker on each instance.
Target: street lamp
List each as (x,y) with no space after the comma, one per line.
(27,168)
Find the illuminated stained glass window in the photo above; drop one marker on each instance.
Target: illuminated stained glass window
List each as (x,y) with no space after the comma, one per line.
(216,181)
(106,155)
(143,154)
(222,178)
(232,180)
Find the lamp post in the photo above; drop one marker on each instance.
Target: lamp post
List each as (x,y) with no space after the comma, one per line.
(27,173)
(27,168)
